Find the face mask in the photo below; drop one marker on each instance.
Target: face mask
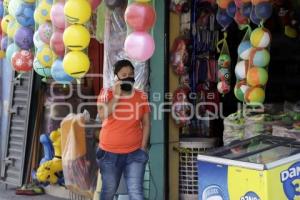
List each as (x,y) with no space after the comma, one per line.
(127,84)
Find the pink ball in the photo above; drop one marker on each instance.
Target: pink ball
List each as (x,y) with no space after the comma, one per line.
(139,46)
(57,15)
(57,44)
(45,32)
(95,3)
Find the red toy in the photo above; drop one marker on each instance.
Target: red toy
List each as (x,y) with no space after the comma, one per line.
(22,61)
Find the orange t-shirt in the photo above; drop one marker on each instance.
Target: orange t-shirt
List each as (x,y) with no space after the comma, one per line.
(122,131)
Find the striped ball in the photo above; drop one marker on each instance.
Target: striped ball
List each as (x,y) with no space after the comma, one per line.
(255,95)
(244,50)
(257,76)
(240,89)
(223,87)
(260,58)
(260,38)
(241,69)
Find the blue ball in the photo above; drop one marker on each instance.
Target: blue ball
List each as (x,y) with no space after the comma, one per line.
(254,17)
(231,9)
(244,50)
(40,69)
(24,14)
(263,10)
(223,18)
(246,9)
(58,73)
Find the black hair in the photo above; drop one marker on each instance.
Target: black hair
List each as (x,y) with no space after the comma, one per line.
(122,63)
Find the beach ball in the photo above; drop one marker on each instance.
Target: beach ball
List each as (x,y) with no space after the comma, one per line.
(246,9)
(244,50)
(224,3)
(255,95)
(4,43)
(260,58)
(24,14)
(77,11)
(112,4)
(1,9)
(13,6)
(223,87)
(22,61)
(140,17)
(240,89)
(58,73)
(5,21)
(231,9)
(223,18)
(224,60)
(76,64)
(24,38)
(95,3)
(257,76)
(223,74)
(260,38)
(263,10)
(241,69)
(40,69)
(37,41)
(45,55)
(253,17)
(42,12)
(57,15)
(76,37)
(57,44)
(45,32)
(12,28)
(139,46)
(11,49)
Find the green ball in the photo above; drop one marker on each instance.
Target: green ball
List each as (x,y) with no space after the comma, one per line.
(224,61)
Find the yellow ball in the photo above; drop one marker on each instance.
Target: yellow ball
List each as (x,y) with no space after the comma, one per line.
(2,54)
(5,21)
(77,11)
(76,64)
(45,56)
(42,12)
(12,27)
(76,37)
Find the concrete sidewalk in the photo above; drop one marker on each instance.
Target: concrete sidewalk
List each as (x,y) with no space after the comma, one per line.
(9,194)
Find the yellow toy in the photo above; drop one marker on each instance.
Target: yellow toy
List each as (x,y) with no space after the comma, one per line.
(76,37)
(76,64)
(42,12)
(5,21)
(77,11)
(47,172)
(45,56)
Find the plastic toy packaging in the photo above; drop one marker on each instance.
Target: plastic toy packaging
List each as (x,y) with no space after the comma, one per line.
(115,35)
(179,56)
(234,128)
(78,155)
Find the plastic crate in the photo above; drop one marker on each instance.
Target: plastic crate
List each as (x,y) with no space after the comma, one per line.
(188,172)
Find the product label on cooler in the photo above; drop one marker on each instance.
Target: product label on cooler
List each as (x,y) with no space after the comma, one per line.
(212,181)
(250,196)
(290,179)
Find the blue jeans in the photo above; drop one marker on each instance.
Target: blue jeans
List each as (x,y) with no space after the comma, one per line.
(131,165)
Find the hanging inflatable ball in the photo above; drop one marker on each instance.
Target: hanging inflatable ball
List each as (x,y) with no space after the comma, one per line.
(45,56)
(12,28)
(224,3)
(257,76)
(255,2)
(42,12)
(11,49)
(140,17)
(231,9)
(253,17)
(22,61)
(263,10)
(241,69)
(76,64)
(223,18)
(45,32)
(40,69)
(223,87)
(77,11)
(5,21)
(58,73)
(240,89)
(37,41)
(4,42)
(24,14)
(255,95)
(57,15)
(223,74)
(112,4)
(76,37)
(260,58)
(244,50)
(224,61)
(24,38)
(57,44)
(13,6)
(240,19)
(246,9)
(260,38)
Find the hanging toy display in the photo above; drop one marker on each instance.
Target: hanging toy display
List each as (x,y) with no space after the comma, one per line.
(180,107)
(140,17)
(179,6)
(179,57)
